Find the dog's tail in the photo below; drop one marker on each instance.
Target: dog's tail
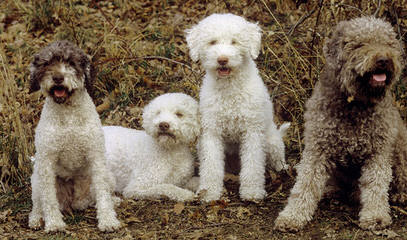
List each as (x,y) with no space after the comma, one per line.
(276,147)
(283,128)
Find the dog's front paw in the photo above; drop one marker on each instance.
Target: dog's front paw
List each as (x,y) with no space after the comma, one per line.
(108,224)
(281,165)
(116,201)
(55,225)
(209,195)
(252,193)
(34,221)
(185,195)
(374,222)
(288,223)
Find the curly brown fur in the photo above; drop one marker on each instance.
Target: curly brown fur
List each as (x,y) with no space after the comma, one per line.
(61,52)
(352,130)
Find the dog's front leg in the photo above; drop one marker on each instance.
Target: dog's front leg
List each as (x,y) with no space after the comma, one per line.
(106,215)
(374,186)
(253,161)
(45,164)
(212,165)
(309,186)
(145,191)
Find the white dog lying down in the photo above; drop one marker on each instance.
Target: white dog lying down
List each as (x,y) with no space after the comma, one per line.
(157,161)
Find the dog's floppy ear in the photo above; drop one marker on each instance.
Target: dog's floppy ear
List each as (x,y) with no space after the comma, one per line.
(252,32)
(193,42)
(36,73)
(333,46)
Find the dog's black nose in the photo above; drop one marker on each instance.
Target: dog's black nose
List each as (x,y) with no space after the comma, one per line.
(382,61)
(164,126)
(58,79)
(222,60)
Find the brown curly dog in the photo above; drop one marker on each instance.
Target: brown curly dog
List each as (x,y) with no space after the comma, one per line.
(353,135)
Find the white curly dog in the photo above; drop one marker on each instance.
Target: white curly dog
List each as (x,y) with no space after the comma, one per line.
(157,161)
(235,106)
(69,167)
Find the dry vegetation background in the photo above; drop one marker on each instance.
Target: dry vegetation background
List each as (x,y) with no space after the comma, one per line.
(140,51)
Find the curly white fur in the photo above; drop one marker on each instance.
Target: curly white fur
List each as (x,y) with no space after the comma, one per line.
(237,113)
(157,161)
(69,143)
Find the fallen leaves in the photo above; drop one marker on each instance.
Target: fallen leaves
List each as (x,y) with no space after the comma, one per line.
(178,208)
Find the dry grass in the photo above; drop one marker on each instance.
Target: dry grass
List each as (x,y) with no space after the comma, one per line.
(140,51)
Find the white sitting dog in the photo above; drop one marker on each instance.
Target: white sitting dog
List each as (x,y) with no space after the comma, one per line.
(235,106)
(157,161)
(69,167)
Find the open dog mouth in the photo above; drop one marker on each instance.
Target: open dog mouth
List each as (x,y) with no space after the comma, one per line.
(379,78)
(223,71)
(60,93)
(166,134)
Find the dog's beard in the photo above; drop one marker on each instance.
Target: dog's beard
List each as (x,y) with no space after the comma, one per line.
(166,138)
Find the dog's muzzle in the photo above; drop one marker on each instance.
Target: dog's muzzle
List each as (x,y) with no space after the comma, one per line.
(223,70)
(60,93)
(382,73)
(164,130)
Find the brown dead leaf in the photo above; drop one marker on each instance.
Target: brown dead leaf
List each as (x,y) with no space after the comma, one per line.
(387,233)
(231,177)
(164,218)
(179,207)
(104,106)
(4,215)
(132,219)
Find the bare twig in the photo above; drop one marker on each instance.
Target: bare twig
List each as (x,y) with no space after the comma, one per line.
(398,28)
(105,16)
(314,34)
(400,210)
(352,7)
(146,58)
(301,20)
(378,8)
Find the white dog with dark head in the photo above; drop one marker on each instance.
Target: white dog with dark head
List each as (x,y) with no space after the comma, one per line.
(235,106)
(69,167)
(157,161)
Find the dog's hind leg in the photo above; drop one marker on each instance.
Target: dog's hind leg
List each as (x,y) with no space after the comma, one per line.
(157,190)
(399,183)
(106,215)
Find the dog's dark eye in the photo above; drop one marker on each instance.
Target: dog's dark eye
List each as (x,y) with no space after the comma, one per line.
(234,42)
(179,114)
(71,63)
(213,42)
(357,46)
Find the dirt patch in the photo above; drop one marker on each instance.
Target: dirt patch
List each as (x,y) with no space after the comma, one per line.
(229,218)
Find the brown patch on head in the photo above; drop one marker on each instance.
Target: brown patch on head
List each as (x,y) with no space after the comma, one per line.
(66,52)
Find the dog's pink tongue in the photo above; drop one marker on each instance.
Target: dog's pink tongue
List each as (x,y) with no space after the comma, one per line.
(59,93)
(379,77)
